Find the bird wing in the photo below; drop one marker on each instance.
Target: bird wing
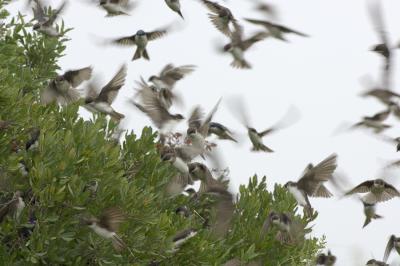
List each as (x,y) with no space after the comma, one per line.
(76,77)
(38,12)
(49,94)
(111,219)
(170,74)
(389,247)
(392,190)
(203,130)
(246,44)
(324,170)
(213,6)
(153,35)
(110,91)
(289,30)
(55,14)
(322,192)
(127,41)
(196,118)
(264,23)
(362,188)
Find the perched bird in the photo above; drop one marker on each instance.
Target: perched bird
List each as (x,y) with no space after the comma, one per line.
(45,24)
(222,18)
(152,106)
(326,260)
(23,168)
(393,244)
(238,46)
(183,211)
(13,208)
(117,7)
(275,30)
(311,182)
(107,225)
(33,142)
(374,262)
(289,231)
(175,6)
(102,102)
(140,39)
(221,131)
(181,237)
(63,88)
(369,212)
(177,162)
(378,191)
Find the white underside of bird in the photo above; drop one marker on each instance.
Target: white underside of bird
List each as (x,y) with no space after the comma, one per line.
(181,165)
(183,240)
(51,31)
(114,8)
(298,195)
(101,107)
(102,232)
(141,41)
(20,207)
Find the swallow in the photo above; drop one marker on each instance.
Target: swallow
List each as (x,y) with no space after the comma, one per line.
(23,168)
(183,211)
(199,126)
(393,244)
(199,171)
(140,39)
(275,30)
(221,131)
(378,191)
(374,262)
(107,225)
(13,208)
(222,18)
(374,122)
(152,106)
(370,212)
(169,75)
(311,182)
(383,95)
(326,260)
(238,46)
(117,7)
(45,24)
(102,102)
(63,88)
(33,142)
(175,6)
(177,162)
(267,9)
(181,237)
(288,230)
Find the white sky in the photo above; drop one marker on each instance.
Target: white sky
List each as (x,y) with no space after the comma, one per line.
(319,75)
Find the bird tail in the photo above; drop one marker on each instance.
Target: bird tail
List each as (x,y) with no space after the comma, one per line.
(137,55)
(145,54)
(261,147)
(180,14)
(243,64)
(369,219)
(118,243)
(117,116)
(229,137)
(283,237)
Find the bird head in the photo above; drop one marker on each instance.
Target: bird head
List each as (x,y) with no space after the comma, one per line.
(379,183)
(140,33)
(89,100)
(289,184)
(168,157)
(228,47)
(152,78)
(88,221)
(252,130)
(36,26)
(178,117)
(191,131)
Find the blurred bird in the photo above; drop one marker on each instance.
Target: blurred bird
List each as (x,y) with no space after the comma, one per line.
(275,30)
(154,108)
(107,225)
(117,7)
(183,211)
(177,162)
(222,18)
(374,122)
(199,171)
(378,191)
(393,244)
(92,187)
(23,168)
(140,39)
(5,124)
(238,46)
(326,260)
(374,262)
(45,24)
(63,88)
(33,142)
(175,6)
(221,131)
(181,237)
(289,231)
(369,212)
(101,102)
(13,208)
(267,9)
(311,182)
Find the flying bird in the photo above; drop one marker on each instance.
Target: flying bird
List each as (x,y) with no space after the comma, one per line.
(370,212)
(326,259)
(63,88)
(311,182)
(222,18)
(107,225)
(393,244)
(102,102)
(289,231)
(378,191)
(45,24)
(221,131)
(13,208)
(374,262)
(238,46)
(175,6)
(374,122)
(141,39)
(117,7)
(275,30)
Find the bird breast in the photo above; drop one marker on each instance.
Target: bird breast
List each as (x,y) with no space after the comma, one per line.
(141,41)
(101,231)
(254,138)
(181,165)
(237,53)
(298,196)
(103,107)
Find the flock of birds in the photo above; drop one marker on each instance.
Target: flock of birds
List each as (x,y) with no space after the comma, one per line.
(156,96)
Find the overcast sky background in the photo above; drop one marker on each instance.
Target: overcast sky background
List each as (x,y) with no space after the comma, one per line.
(320,75)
